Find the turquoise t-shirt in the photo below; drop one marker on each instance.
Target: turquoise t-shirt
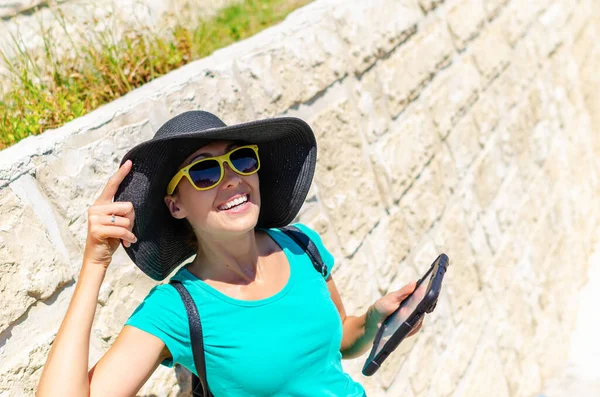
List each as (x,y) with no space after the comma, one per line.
(285,345)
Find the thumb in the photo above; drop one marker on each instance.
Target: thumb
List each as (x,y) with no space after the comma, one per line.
(405,291)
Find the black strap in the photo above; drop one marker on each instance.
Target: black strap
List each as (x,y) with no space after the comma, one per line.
(199,383)
(308,246)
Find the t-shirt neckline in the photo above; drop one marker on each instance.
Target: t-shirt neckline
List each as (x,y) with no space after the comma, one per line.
(249,303)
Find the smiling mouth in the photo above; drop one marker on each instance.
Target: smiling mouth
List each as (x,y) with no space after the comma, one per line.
(234,203)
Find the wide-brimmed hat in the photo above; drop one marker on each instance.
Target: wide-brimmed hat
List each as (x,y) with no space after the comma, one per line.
(288,154)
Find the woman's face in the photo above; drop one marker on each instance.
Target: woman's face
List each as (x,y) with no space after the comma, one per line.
(206,210)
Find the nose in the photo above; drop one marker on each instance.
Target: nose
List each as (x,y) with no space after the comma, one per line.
(230,177)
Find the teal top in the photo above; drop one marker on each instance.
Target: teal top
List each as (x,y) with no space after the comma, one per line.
(285,345)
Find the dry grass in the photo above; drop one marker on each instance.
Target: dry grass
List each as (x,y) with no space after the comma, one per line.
(46,97)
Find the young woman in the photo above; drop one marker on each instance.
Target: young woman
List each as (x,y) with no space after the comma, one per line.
(272,325)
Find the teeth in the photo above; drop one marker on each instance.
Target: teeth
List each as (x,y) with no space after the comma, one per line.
(233,203)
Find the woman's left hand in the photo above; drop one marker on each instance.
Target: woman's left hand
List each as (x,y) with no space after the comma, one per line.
(387,304)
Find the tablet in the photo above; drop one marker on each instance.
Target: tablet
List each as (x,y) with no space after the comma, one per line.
(399,324)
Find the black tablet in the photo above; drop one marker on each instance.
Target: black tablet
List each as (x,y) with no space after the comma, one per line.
(399,324)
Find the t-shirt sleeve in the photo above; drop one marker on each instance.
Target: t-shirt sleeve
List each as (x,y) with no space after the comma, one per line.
(163,315)
(328,259)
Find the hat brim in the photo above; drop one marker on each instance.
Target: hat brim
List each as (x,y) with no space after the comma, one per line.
(288,155)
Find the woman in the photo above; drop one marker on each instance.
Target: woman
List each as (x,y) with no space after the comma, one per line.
(272,325)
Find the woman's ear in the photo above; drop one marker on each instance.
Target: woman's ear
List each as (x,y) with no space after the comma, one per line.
(172,204)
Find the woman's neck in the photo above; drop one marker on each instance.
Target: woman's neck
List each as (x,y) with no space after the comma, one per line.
(230,259)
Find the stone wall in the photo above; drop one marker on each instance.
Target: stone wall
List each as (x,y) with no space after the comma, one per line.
(467,127)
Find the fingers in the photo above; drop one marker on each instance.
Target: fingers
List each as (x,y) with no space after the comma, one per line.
(113,183)
(104,232)
(417,328)
(405,291)
(122,208)
(101,216)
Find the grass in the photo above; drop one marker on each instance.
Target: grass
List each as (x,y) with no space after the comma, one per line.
(47,90)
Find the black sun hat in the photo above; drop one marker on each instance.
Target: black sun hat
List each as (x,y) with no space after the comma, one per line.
(288,154)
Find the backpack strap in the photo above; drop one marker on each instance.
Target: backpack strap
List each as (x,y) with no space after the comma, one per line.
(199,383)
(308,246)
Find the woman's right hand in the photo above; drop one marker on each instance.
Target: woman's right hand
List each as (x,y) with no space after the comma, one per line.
(104,237)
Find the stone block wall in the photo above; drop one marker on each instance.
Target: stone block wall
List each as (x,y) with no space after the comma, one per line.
(467,127)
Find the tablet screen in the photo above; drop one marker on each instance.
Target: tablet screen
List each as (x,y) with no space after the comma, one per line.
(408,306)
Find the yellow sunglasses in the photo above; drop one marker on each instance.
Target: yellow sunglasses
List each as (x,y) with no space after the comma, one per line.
(208,172)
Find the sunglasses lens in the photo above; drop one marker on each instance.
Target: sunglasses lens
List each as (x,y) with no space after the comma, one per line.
(244,160)
(206,173)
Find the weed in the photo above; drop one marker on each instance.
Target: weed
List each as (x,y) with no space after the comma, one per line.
(51,89)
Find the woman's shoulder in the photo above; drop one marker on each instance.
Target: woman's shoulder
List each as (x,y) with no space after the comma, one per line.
(318,242)
(161,296)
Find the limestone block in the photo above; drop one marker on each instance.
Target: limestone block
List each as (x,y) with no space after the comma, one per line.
(462,342)
(412,66)
(516,80)
(461,282)
(372,30)
(551,346)
(347,187)
(355,274)
(464,142)
(428,5)
(284,69)
(427,198)
(421,362)
(214,89)
(486,115)
(481,248)
(389,243)
(470,202)
(491,227)
(577,22)
(517,18)
(74,175)
(313,215)
(28,342)
(400,386)
(515,134)
(544,237)
(125,286)
(507,89)
(509,200)
(489,171)
(401,155)
(516,325)
(36,255)
(371,103)
(451,95)
(10,8)
(491,53)
(485,372)
(493,7)
(465,20)
(557,13)
(546,38)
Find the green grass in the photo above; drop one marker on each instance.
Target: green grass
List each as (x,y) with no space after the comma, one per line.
(48,96)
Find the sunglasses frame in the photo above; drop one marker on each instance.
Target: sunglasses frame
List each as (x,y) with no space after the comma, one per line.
(224,158)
